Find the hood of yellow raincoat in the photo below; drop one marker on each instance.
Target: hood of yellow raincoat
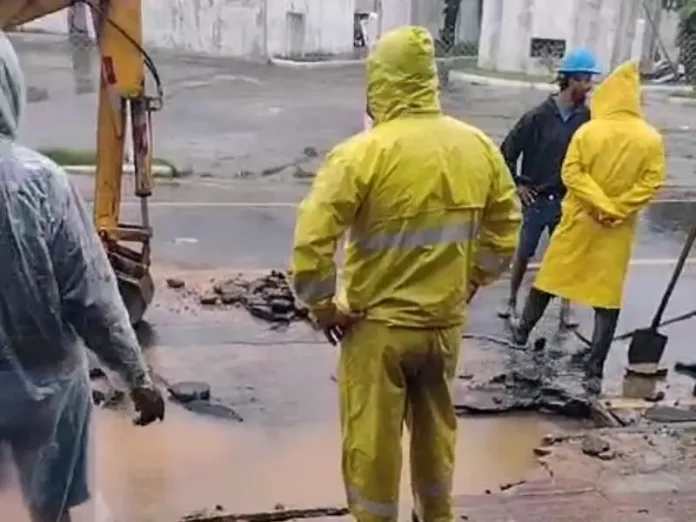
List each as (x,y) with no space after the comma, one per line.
(402,75)
(619,94)
(12,90)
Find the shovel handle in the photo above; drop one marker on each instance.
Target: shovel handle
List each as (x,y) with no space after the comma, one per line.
(686,249)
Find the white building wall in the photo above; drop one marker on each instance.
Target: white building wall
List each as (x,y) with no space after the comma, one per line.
(508,26)
(238,27)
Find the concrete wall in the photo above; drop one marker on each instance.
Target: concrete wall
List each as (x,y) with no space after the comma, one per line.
(238,27)
(606,26)
(254,28)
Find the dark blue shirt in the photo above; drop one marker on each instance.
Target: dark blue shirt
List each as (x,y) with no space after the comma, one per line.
(542,137)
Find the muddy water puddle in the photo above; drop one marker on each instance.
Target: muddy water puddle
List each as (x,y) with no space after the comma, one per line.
(162,472)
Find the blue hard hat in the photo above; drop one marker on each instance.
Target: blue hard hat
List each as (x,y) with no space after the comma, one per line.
(579,61)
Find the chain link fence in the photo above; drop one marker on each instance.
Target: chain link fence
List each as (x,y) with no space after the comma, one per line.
(687,52)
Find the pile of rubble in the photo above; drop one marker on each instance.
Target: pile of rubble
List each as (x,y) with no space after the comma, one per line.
(541,380)
(268,298)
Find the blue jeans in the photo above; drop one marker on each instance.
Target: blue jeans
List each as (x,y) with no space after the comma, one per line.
(543,214)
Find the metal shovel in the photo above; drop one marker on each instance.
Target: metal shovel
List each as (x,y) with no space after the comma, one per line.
(647,344)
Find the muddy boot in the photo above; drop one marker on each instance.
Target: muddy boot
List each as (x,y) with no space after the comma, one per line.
(593,385)
(581,357)
(567,318)
(602,337)
(534,309)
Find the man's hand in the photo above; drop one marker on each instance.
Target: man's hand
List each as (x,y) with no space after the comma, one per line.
(336,324)
(471,292)
(604,219)
(527,195)
(149,404)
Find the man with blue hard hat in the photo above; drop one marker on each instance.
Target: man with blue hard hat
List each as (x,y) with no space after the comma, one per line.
(542,137)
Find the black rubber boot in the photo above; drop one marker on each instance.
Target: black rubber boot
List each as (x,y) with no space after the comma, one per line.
(602,336)
(508,310)
(567,317)
(534,309)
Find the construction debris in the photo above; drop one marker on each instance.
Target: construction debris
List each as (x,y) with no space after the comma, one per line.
(594,446)
(270,516)
(188,391)
(538,380)
(268,298)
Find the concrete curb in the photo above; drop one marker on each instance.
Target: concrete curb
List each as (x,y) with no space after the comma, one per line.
(329,64)
(464,78)
(158,171)
(680,100)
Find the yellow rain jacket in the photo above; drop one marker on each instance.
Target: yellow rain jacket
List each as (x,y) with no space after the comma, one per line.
(614,166)
(420,194)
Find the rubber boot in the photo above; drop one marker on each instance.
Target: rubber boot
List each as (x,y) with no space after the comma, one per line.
(567,317)
(534,309)
(508,310)
(602,336)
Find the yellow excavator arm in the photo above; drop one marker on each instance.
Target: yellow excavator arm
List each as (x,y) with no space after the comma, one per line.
(118,25)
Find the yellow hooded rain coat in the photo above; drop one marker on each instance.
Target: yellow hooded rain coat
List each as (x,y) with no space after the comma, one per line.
(429,207)
(614,166)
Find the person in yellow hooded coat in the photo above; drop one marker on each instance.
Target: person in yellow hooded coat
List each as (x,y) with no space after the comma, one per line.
(431,213)
(613,168)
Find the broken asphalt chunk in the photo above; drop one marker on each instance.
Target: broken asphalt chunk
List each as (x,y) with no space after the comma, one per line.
(213,409)
(175,282)
(594,446)
(268,298)
(208,299)
(189,391)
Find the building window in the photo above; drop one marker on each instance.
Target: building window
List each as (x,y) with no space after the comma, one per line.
(547,48)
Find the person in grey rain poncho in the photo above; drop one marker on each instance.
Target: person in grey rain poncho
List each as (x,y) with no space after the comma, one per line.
(57,287)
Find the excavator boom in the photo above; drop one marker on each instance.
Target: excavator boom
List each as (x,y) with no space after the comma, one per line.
(122,101)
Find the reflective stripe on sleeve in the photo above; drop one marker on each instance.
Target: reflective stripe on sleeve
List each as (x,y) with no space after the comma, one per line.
(418,238)
(313,290)
(377,509)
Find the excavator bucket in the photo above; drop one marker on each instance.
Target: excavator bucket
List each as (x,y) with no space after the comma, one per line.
(137,295)
(134,280)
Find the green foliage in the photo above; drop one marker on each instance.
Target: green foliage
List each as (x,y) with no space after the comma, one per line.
(686,8)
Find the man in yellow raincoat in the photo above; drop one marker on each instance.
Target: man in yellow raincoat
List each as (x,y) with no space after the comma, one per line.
(614,166)
(431,213)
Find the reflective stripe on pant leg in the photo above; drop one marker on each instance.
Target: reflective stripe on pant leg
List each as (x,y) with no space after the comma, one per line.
(433,427)
(388,510)
(372,396)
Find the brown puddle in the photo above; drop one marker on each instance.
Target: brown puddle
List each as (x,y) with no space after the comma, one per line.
(163,472)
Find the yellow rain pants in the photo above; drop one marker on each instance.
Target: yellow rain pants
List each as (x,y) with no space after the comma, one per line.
(388,375)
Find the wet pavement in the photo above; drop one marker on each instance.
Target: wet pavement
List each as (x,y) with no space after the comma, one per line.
(231,122)
(231,119)
(281,381)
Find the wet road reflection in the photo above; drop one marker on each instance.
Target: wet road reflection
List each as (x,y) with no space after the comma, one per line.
(189,463)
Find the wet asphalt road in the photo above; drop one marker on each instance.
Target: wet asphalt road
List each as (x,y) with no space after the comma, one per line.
(281,382)
(203,233)
(231,119)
